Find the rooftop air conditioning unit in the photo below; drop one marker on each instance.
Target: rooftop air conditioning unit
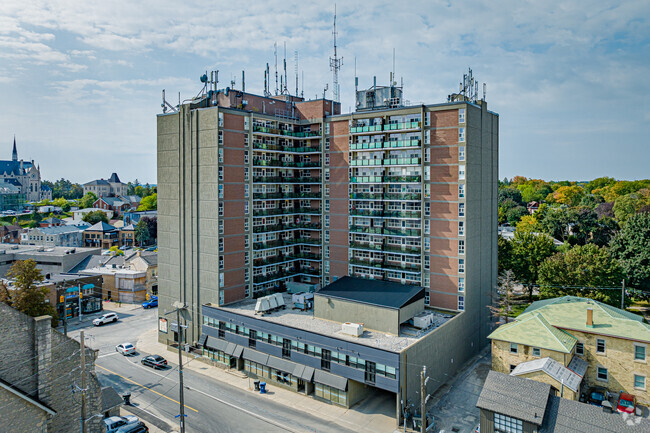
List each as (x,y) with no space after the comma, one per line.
(279,299)
(273,301)
(423,320)
(355,329)
(262,305)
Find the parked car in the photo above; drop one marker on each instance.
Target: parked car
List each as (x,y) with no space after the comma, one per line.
(125,349)
(106,318)
(626,403)
(111,424)
(155,361)
(596,395)
(151,303)
(138,427)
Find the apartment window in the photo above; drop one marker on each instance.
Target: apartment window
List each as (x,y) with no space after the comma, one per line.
(220,119)
(220,137)
(220,155)
(461,228)
(220,190)
(221,245)
(220,173)
(222,281)
(600,346)
(327,235)
(461,153)
(246,258)
(252,338)
(221,263)
(245,190)
(461,209)
(602,374)
(286,348)
(327,220)
(461,266)
(426,155)
(246,123)
(639,381)
(461,284)
(371,370)
(580,349)
(327,205)
(245,208)
(247,276)
(245,156)
(461,172)
(246,173)
(222,329)
(427,137)
(461,115)
(639,352)
(220,227)
(327,128)
(506,424)
(327,175)
(220,209)
(461,135)
(461,190)
(537,352)
(325,359)
(461,303)
(327,144)
(426,298)
(513,348)
(327,159)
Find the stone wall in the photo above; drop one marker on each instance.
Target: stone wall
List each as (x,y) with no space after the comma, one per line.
(25,417)
(502,359)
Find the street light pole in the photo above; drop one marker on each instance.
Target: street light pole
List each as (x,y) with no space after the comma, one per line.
(180,369)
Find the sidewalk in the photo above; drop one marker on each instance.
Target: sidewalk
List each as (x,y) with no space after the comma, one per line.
(355,419)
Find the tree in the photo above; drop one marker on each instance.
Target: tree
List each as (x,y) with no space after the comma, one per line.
(95,216)
(66,207)
(152,226)
(568,195)
(605,210)
(510,193)
(515,214)
(626,206)
(36,217)
(529,251)
(577,270)
(149,203)
(599,183)
(504,248)
(630,247)
(28,297)
(87,200)
(502,306)
(116,251)
(142,232)
(557,221)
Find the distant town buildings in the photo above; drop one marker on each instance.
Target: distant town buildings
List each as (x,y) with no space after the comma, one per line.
(20,180)
(112,187)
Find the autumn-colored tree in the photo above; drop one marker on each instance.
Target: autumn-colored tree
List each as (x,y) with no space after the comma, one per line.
(568,195)
(28,297)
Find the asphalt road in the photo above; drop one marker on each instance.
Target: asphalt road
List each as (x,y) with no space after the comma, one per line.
(211,406)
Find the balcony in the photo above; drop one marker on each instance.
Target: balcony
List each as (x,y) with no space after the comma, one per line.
(274,147)
(402,179)
(281,179)
(285,133)
(283,259)
(380,145)
(285,195)
(365,128)
(402,161)
(403,196)
(287,211)
(403,249)
(384,162)
(285,242)
(285,164)
(281,275)
(401,125)
(385,214)
(286,227)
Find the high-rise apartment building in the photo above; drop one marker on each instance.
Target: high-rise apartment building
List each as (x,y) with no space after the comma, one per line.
(259,194)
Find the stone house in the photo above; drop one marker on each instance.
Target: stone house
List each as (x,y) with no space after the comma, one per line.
(604,345)
(146,261)
(37,390)
(112,187)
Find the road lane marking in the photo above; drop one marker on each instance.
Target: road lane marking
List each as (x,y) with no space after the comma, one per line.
(107,354)
(146,387)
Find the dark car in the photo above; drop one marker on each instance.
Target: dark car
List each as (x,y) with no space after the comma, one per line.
(138,427)
(597,395)
(151,303)
(155,361)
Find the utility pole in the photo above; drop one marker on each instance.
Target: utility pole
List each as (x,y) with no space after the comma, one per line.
(423,397)
(83,382)
(80,295)
(623,294)
(180,369)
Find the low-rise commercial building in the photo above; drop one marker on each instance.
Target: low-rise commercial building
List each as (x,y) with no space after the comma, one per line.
(53,236)
(610,342)
(50,260)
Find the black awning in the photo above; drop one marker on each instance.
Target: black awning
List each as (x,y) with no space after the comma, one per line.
(216,344)
(281,364)
(298,371)
(238,351)
(202,339)
(255,356)
(231,348)
(332,380)
(308,374)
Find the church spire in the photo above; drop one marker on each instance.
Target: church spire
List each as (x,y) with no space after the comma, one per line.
(14,154)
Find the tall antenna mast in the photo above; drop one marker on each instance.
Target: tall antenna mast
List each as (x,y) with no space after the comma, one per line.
(275,52)
(335,64)
(296,56)
(284,89)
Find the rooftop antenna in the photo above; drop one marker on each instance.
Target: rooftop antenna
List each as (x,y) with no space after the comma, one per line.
(302,80)
(275,52)
(325,90)
(284,89)
(335,65)
(296,56)
(356,79)
(484,90)
(266,80)
(243,82)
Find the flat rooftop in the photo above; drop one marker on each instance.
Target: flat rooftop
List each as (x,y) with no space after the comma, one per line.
(387,294)
(306,321)
(38,250)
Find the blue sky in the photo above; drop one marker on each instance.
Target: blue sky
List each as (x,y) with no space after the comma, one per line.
(81,81)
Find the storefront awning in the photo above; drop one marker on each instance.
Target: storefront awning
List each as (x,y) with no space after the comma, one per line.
(303,372)
(238,351)
(216,344)
(255,356)
(203,339)
(332,380)
(281,364)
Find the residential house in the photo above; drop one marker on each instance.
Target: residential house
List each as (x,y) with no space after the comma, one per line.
(613,344)
(532,207)
(40,368)
(10,234)
(51,222)
(146,261)
(119,283)
(134,217)
(101,235)
(53,236)
(117,204)
(80,213)
(127,236)
(515,405)
(112,187)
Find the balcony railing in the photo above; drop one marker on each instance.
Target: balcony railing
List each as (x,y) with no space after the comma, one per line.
(285,164)
(304,149)
(288,211)
(276,131)
(365,128)
(404,249)
(401,125)
(281,179)
(288,258)
(389,144)
(281,227)
(285,242)
(285,195)
(285,274)
(384,162)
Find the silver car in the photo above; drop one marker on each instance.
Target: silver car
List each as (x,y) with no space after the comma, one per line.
(113,423)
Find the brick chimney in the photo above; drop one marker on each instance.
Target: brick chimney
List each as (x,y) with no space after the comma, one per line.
(590,317)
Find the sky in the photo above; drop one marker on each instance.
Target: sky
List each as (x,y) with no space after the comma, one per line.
(81,82)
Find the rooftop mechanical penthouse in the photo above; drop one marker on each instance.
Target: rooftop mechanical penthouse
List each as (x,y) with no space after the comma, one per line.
(263,194)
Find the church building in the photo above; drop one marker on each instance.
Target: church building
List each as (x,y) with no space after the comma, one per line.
(24,175)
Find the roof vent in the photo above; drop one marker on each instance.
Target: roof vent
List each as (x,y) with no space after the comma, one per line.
(355,329)
(590,317)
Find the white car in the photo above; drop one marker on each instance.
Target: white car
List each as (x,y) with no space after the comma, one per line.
(106,318)
(125,349)
(115,422)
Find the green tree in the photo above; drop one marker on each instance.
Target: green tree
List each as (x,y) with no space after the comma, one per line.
(116,251)
(630,247)
(568,195)
(36,217)
(95,216)
(28,297)
(66,207)
(87,200)
(529,251)
(557,222)
(504,247)
(599,183)
(626,206)
(582,267)
(515,214)
(142,233)
(149,203)
(512,194)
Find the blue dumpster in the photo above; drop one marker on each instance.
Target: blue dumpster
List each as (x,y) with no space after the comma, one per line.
(263,388)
